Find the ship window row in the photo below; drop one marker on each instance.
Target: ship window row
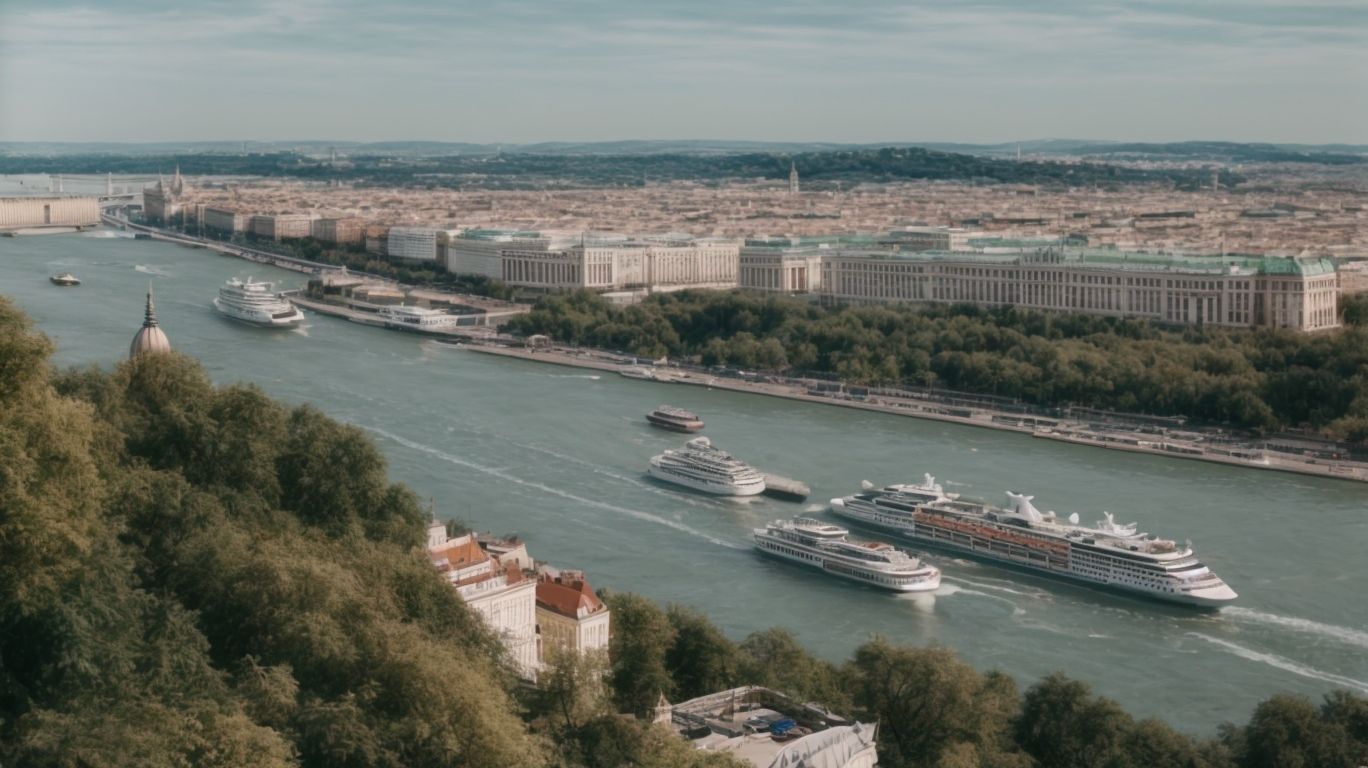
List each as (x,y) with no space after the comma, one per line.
(870,577)
(790,551)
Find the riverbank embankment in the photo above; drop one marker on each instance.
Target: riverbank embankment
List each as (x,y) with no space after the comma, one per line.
(1076,432)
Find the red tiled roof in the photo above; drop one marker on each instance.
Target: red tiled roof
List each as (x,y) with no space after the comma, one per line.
(460,555)
(568,597)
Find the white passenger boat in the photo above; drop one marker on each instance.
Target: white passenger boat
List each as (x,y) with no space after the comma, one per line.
(257,303)
(419,319)
(701,466)
(823,546)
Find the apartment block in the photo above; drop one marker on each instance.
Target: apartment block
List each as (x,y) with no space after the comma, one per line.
(622,264)
(347,230)
(1241,291)
(480,251)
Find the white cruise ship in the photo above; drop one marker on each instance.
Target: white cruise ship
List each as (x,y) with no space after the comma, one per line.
(418,319)
(700,466)
(257,303)
(1108,554)
(819,545)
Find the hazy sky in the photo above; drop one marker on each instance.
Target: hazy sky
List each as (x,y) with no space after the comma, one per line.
(834,70)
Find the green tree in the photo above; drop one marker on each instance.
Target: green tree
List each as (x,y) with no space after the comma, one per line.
(701,660)
(1062,724)
(641,638)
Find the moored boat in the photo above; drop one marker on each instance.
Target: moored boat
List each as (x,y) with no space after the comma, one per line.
(65,279)
(420,319)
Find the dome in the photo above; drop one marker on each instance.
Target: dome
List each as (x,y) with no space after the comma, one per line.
(150,337)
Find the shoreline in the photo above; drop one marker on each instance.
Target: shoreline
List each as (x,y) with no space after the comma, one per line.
(1073,432)
(1061,430)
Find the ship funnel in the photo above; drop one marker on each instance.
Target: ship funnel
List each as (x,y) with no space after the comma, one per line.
(1022,507)
(1073,518)
(866,485)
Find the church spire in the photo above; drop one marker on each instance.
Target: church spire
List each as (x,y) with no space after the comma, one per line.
(793,178)
(150,337)
(150,314)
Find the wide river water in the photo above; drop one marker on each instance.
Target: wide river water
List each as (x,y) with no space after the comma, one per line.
(557,455)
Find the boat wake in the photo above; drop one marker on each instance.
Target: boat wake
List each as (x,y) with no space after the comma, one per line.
(1034,594)
(1355,637)
(505,475)
(143,268)
(590,376)
(1283,663)
(955,589)
(922,601)
(814,508)
(105,234)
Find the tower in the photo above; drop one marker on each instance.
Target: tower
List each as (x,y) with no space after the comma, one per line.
(793,178)
(109,184)
(177,183)
(1215,180)
(150,338)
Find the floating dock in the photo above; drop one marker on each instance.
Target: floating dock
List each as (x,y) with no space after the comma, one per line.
(786,488)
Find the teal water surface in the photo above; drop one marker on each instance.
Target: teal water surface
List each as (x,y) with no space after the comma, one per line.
(557,455)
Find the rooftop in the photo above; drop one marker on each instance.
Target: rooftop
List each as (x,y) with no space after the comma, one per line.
(568,594)
(1131,261)
(768,729)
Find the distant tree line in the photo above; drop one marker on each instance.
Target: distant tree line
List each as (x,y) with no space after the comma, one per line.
(193,575)
(534,171)
(1229,151)
(1256,379)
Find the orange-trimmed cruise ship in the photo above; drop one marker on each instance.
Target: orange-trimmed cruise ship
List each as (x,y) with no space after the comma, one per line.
(1108,554)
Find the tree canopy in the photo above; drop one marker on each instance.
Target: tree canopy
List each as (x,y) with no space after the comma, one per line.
(193,575)
(1261,379)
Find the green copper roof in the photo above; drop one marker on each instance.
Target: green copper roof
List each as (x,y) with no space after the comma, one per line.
(1137,261)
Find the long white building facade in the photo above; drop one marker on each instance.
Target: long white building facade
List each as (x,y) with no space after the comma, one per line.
(652,264)
(1241,291)
(480,251)
(25,212)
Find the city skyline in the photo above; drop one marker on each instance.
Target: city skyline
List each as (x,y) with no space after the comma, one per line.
(600,71)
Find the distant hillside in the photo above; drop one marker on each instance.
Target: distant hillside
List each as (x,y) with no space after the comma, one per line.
(519,170)
(1222,151)
(1231,152)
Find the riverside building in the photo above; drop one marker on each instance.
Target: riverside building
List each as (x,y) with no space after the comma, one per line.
(225,220)
(497,587)
(480,251)
(613,263)
(347,230)
(163,203)
(35,212)
(788,264)
(417,245)
(1240,291)
(281,226)
(570,616)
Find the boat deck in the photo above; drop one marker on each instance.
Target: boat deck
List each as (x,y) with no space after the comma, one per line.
(785,488)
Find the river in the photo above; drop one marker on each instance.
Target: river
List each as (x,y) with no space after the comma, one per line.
(557,455)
